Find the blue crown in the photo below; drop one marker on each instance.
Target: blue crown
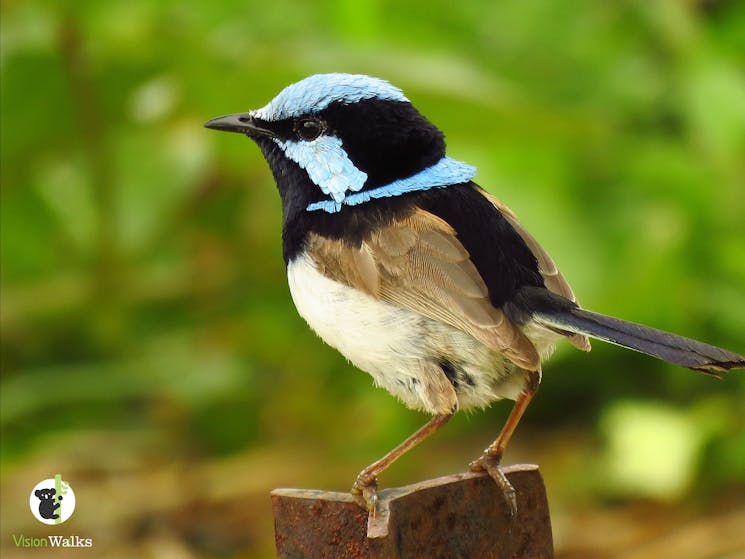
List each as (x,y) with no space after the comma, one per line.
(315,93)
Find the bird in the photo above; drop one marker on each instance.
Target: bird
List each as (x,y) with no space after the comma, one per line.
(416,274)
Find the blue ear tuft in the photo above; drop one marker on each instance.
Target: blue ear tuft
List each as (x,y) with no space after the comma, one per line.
(327,165)
(315,93)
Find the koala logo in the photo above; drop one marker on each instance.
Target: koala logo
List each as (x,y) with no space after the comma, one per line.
(52,501)
(47,504)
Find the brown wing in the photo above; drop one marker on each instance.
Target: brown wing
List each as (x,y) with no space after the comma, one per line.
(552,277)
(419,264)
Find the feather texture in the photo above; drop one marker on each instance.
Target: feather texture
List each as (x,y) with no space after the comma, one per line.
(552,277)
(315,93)
(417,263)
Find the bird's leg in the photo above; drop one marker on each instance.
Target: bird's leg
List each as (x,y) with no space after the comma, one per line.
(366,482)
(492,456)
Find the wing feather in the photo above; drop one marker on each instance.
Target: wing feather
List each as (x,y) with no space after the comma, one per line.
(418,263)
(552,277)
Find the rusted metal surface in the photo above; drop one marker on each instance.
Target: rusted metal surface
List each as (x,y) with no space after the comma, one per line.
(456,516)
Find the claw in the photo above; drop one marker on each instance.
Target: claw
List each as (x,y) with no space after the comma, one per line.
(370,494)
(491,465)
(508,491)
(368,491)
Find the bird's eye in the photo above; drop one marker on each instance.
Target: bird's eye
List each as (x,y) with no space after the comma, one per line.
(309,129)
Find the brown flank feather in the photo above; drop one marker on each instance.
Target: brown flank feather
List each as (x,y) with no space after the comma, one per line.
(419,264)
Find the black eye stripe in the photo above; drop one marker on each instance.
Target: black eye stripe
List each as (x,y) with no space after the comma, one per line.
(305,128)
(284,129)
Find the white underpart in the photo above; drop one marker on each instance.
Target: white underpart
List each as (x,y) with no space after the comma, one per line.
(396,345)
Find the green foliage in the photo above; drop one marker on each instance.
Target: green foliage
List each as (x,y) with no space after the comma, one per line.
(142,282)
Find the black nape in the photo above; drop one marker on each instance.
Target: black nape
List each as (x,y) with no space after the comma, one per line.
(388,140)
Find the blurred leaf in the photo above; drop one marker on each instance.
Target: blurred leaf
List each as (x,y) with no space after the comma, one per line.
(143,289)
(652,449)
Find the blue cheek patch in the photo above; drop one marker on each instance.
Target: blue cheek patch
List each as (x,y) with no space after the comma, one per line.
(327,165)
(445,172)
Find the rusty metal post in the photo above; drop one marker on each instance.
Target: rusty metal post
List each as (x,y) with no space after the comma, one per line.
(456,516)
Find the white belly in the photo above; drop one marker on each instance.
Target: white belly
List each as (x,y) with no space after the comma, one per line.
(402,350)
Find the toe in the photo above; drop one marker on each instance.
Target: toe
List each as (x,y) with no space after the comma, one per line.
(368,491)
(477,465)
(508,491)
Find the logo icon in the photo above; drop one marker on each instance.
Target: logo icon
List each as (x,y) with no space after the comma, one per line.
(52,501)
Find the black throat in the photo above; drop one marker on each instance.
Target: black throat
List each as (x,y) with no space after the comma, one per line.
(387,140)
(391,141)
(352,224)
(500,255)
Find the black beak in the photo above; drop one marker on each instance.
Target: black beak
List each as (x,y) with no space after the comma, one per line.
(242,123)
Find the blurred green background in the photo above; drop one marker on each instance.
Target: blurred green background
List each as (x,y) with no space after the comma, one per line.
(150,350)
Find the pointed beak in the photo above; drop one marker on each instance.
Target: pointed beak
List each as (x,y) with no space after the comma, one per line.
(242,123)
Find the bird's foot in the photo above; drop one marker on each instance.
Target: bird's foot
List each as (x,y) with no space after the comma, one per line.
(367,490)
(490,464)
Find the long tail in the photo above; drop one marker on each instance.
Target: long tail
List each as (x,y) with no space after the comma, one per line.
(658,343)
